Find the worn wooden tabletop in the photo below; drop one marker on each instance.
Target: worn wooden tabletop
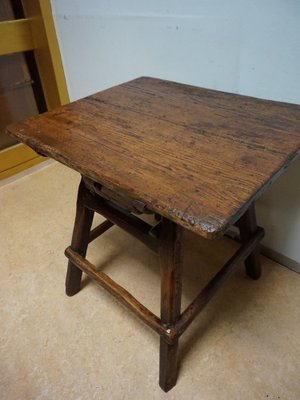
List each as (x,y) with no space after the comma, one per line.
(196,156)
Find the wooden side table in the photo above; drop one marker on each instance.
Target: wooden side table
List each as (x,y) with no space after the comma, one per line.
(196,158)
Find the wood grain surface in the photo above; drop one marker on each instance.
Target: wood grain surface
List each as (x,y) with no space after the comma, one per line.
(196,156)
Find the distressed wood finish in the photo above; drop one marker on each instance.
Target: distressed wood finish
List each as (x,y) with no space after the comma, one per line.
(171,259)
(247,225)
(80,240)
(198,157)
(100,229)
(216,282)
(167,236)
(117,291)
(124,219)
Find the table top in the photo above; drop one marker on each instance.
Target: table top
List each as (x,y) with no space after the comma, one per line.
(199,157)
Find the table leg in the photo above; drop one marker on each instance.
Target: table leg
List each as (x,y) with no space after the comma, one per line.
(248,226)
(157,217)
(170,259)
(80,240)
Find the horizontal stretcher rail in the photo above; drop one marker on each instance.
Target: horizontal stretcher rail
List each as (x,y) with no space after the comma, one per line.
(191,311)
(213,285)
(118,292)
(125,220)
(103,227)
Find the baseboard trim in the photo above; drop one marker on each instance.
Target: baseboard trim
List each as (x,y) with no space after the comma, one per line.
(281,259)
(44,162)
(287,262)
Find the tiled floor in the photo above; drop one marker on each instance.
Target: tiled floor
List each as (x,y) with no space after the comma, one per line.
(245,345)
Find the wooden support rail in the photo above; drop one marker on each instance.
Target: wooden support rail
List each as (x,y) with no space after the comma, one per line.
(146,315)
(124,219)
(117,291)
(99,230)
(213,285)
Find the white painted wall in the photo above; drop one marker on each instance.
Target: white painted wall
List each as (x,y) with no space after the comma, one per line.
(248,47)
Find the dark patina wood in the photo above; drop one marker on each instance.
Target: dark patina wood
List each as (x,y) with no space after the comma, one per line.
(196,158)
(199,157)
(170,252)
(100,229)
(80,240)
(116,290)
(166,236)
(123,218)
(213,285)
(247,225)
